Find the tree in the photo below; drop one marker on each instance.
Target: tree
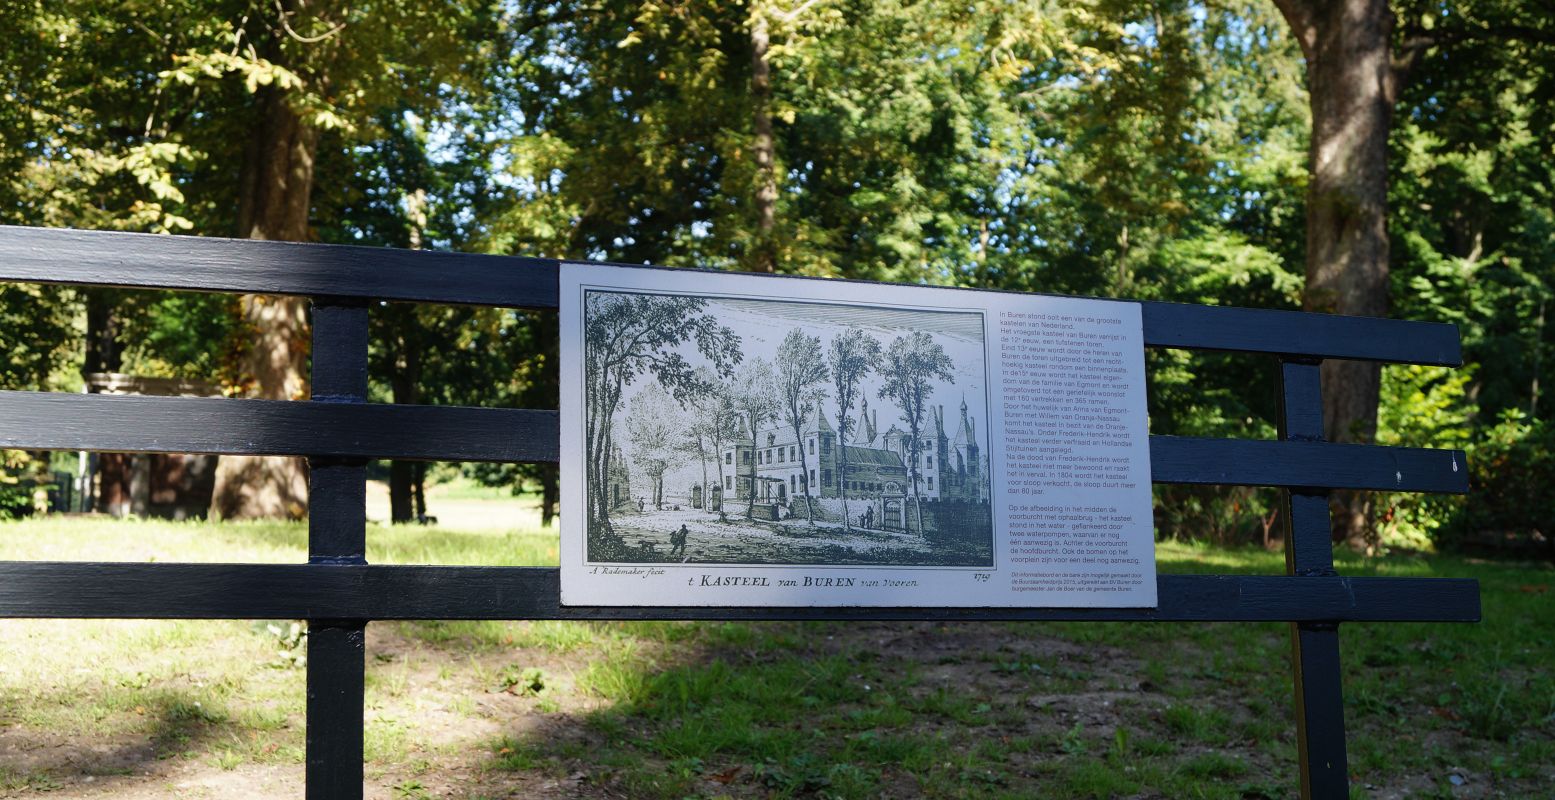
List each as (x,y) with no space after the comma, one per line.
(912,364)
(800,369)
(627,336)
(312,68)
(656,431)
(716,423)
(854,355)
(1352,83)
(755,395)
(1355,76)
(849,148)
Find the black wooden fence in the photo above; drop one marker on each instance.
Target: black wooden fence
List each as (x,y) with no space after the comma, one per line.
(338,430)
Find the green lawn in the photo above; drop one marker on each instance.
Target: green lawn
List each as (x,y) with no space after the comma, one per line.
(490,709)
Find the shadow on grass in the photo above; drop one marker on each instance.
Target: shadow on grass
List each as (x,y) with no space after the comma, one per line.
(169,723)
(1051,710)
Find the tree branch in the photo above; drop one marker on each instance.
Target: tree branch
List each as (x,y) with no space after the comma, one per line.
(1299,14)
(1418,41)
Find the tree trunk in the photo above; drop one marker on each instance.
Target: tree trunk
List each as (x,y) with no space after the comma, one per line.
(404,383)
(399,492)
(418,489)
(842,468)
(550,491)
(276,184)
(804,468)
(103,354)
(1350,79)
(765,252)
(750,505)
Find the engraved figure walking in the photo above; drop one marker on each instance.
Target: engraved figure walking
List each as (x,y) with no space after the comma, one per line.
(678,541)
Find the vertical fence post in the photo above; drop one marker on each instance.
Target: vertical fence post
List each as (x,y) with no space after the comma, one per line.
(1309,552)
(337,525)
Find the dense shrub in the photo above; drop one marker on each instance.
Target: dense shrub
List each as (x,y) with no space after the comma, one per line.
(16,493)
(1511,505)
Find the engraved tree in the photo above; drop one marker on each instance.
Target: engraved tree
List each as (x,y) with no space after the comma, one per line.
(854,355)
(912,363)
(800,369)
(715,424)
(626,337)
(656,429)
(755,398)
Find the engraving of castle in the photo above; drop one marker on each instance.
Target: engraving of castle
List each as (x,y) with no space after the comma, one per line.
(872,468)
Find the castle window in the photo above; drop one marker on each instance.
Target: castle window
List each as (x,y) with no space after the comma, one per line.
(729,457)
(812,475)
(769,456)
(812,447)
(793,453)
(930,459)
(745,457)
(931,483)
(793,483)
(728,482)
(826,477)
(780,455)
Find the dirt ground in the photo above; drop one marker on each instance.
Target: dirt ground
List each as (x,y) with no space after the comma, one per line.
(458,742)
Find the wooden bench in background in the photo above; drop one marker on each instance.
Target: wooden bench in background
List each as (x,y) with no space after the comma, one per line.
(338,431)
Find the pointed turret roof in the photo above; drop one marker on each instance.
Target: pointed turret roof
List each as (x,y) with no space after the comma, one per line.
(966,432)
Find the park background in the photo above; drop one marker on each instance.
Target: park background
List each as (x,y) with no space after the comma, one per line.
(1360,157)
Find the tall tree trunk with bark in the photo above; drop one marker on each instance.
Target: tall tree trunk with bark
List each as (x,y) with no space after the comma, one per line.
(765,250)
(404,387)
(276,186)
(104,353)
(1352,86)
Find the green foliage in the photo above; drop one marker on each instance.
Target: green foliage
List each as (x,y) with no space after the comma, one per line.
(1511,470)
(528,681)
(1098,148)
(1421,407)
(16,497)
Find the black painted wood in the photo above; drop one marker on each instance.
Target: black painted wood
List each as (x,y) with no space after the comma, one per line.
(246,266)
(105,258)
(289,591)
(340,333)
(336,681)
(337,511)
(1315,667)
(1247,462)
(337,534)
(57,421)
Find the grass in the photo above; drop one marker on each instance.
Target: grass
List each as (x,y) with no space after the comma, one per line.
(473,709)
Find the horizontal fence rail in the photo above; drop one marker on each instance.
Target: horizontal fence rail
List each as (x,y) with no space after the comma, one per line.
(128,423)
(290,591)
(136,260)
(141,424)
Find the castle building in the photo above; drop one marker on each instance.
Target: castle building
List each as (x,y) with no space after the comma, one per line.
(873,468)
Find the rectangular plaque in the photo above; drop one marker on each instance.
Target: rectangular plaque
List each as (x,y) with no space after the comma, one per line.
(742,440)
